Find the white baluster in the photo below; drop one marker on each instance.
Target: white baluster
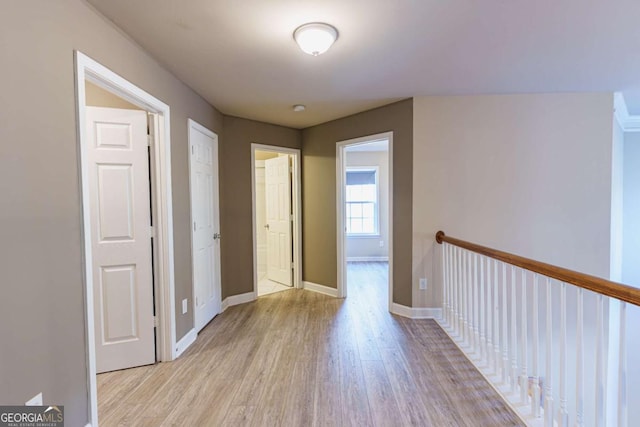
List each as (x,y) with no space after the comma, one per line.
(514,331)
(535,400)
(505,327)
(548,395)
(579,358)
(483,323)
(451,285)
(465,297)
(622,368)
(476,308)
(470,301)
(524,378)
(496,321)
(445,284)
(460,296)
(490,336)
(563,415)
(452,267)
(600,370)
(456,291)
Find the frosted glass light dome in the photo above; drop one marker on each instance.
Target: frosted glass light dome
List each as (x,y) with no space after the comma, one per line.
(315,38)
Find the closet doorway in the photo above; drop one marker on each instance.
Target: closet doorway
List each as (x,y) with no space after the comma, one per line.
(276,218)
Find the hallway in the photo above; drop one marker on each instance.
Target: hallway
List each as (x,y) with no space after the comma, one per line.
(299,358)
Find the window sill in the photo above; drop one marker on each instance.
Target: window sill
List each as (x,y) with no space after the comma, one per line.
(363,236)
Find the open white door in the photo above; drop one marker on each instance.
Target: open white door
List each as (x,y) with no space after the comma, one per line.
(205,215)
(120,237)
(279,243)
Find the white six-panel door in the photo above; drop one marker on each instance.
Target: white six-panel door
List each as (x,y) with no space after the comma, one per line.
(279,243)
(205,224)
(120,238)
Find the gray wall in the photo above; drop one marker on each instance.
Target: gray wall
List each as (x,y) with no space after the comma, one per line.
(319,192)
(631,210)
(42,329)
(631,262)
(527,174)
(235,196)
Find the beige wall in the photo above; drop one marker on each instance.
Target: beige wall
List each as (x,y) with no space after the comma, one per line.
(319,192)
(42,329)
(235,196)
(369,246)
(95,96)
(528,174)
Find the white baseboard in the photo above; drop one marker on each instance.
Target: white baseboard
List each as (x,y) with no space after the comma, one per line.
(184,343)
(238,299)
(416,312)
(368,259)
(321,289)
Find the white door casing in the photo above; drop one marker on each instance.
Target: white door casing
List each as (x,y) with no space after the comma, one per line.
(117,156)
(205,225)
(279,241)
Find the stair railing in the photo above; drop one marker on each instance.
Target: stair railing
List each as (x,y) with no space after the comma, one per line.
(510,315)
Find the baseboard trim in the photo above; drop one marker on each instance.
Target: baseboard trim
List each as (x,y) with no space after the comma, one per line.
(368,259)
(416,312)
(186,341)
(321,289)
(238,299)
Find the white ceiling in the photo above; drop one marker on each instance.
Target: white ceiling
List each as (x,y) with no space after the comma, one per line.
(241,57)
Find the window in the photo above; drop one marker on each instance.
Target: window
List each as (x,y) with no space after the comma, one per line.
(362,201)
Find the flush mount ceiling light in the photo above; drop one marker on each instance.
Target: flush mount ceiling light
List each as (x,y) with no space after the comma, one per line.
(315,38)
(298,108)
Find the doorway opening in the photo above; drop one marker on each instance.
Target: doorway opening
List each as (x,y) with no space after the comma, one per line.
(127,223)
(275,179)
(365,217)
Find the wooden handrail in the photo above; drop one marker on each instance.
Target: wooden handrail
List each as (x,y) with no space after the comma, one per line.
(585,281)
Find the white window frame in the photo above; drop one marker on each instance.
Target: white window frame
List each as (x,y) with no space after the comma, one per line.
(376,207)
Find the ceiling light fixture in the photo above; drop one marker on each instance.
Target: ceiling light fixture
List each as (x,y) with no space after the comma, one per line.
(299,108)
(315,38)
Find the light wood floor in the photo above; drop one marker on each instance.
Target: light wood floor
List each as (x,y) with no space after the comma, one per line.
(297,358)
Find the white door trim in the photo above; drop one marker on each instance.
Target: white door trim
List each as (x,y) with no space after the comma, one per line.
(297,212)
(341,168)
(88,69)
(193,125)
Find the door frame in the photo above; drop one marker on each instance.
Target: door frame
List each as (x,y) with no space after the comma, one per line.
(88,69)
(341,168)
(192,125)
(296,186)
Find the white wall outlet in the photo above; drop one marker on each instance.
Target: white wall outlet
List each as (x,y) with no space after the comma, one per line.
(382,243)
(35,400)
(185,308)
(423,283)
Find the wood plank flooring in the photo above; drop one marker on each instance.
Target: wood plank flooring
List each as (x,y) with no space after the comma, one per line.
(297,358)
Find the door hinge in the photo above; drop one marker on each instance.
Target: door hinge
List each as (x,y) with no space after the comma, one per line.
(291,217)
(192,152)
(149,141)
(293,266)
(156,321)
(152,231)
(194,226)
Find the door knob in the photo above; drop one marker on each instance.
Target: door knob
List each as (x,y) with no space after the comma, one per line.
(266,226)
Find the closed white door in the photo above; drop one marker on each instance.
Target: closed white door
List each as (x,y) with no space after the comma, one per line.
(118,159)
(206,224)
(279,243)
